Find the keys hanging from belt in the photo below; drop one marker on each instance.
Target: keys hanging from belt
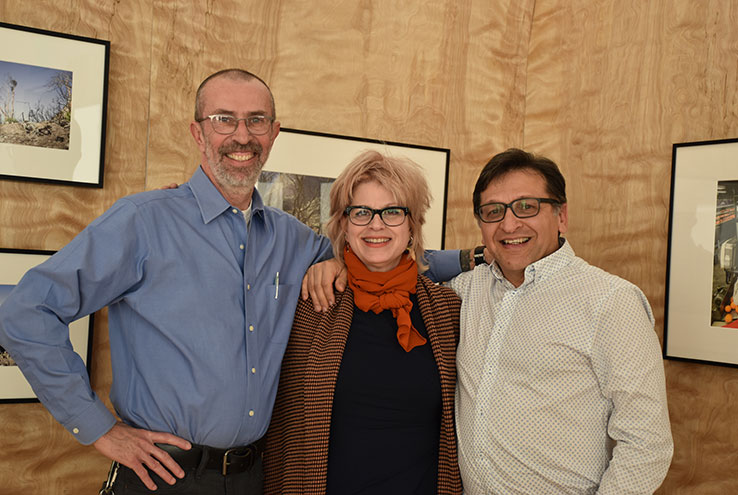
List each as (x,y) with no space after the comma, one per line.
(107,487)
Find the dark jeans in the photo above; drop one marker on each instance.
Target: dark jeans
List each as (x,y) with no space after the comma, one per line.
(207,482)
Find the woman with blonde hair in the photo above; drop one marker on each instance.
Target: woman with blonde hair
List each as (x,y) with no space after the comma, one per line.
(366,395)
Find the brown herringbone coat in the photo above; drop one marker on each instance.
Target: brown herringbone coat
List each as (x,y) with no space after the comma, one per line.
(296,457)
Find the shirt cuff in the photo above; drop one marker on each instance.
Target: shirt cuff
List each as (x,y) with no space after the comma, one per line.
(91,424)
(442,265)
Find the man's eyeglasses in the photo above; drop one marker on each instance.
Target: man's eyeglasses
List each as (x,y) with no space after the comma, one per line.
(227,124)
(392,216)
(521,208)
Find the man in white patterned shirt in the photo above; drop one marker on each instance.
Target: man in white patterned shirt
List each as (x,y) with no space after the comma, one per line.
(560,379)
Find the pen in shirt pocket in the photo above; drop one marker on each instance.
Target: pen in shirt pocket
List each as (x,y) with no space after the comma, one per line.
(276,286)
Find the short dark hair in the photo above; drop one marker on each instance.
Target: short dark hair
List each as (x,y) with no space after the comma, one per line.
(241,74)
(515,159)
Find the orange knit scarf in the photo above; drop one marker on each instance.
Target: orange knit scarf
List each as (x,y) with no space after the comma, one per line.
(378,291)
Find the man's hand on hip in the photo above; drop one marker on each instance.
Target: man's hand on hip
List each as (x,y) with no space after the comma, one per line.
(134,448)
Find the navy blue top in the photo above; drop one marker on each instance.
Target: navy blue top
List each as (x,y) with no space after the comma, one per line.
(386,411)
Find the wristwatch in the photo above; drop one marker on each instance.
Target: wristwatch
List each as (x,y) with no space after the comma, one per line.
(479,256)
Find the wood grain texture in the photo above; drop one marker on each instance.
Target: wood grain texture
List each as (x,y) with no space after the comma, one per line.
(703,404)
(446,74)
(38,456)
(602,87)
(190,41)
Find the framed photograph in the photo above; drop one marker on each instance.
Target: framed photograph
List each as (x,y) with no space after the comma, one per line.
(701,319)
(303,165)
(14,263)
(53,99)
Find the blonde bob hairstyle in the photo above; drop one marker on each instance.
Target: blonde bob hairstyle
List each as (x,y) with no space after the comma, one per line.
(402,177)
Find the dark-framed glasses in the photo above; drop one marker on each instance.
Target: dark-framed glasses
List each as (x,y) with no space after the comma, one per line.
(521,208)
(227,124)
(392,216)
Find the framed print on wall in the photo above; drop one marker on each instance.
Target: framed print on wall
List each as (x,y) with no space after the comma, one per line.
(14,263)
(701,319)
(53,99)
(302,167)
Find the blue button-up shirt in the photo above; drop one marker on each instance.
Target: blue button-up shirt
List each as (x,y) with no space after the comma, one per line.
(200,309)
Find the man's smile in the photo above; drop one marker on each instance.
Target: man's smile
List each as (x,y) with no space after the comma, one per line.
(519,240)
(240,156)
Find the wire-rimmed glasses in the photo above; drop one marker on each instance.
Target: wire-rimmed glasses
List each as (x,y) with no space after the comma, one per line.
(227,124)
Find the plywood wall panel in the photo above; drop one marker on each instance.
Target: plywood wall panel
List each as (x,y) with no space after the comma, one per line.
(489,120)
(432,74)
(602,87)
(46,216)
(611,85)
(37,455)
(190,41)
(428,75)
(703,402)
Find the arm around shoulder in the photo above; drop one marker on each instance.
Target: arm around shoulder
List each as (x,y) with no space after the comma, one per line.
(444,265)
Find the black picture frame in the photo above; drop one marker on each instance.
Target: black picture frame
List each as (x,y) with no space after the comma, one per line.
(700,316)
(323,156)
(14,263)
(60,140)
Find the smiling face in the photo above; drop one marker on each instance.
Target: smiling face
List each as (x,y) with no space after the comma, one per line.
(378,246)
(234,161)
(516,242)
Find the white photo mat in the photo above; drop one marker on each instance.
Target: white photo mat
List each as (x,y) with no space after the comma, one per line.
(326,155)
(87,59)
(14,263)
(688,333)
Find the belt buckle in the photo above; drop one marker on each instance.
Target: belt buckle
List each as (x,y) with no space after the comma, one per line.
(225,458)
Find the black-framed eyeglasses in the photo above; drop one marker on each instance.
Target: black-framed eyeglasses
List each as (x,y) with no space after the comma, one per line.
(392,216)
(227,124)
(521,208)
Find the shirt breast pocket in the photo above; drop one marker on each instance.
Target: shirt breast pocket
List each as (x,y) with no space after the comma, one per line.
(278,303)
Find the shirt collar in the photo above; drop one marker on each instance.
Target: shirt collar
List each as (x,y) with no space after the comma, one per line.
(543,268)
(211,202)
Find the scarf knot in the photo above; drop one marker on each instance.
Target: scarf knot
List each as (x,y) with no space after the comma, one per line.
(378,291)
(393,300)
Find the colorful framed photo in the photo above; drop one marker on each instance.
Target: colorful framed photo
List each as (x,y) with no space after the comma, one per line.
(303,165)
(53,99)
(14,263)
(701,319)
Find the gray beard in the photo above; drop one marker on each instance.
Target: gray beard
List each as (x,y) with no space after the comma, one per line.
(233,178)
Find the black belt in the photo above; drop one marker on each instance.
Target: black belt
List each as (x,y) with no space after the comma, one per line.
(227,461)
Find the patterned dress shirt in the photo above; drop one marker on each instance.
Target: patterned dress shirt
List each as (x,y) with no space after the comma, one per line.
(560,383)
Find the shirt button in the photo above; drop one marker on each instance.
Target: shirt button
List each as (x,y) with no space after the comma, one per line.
(251,328)
(248,286)
(234,210)
(253,370)
(251,413)
(241,247)
(75,431)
